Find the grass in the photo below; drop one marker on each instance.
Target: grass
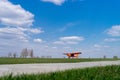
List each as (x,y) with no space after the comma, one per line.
(49,60)
(95,73)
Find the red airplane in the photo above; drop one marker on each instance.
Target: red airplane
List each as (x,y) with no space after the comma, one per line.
(73,54)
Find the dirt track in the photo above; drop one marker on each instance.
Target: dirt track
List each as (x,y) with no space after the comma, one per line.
(44,68)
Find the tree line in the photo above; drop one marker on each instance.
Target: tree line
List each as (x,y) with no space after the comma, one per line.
(25,53)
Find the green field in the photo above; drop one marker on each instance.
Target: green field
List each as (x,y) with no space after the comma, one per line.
(48,60)
(95,73)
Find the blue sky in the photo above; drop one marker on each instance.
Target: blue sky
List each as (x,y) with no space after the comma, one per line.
(52,27)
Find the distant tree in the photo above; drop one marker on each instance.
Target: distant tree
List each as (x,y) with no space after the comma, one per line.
(30,53)
(115,57)
(42,56)
(24,53)
(48,57)
(14,55)
(104,57)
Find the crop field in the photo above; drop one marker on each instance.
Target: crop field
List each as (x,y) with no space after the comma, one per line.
(49,60)
(95,73)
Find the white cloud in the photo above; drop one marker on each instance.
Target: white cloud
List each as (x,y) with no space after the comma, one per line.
(17,33)
(111,39)
(97,46)
(100,46)
(69,40)
(13,34)
(72,38)
(67,26)
(38,40)
(19,21)
(32,30)
(58,42)
(35,30)
(14,15)
(114,31)
(56,2)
